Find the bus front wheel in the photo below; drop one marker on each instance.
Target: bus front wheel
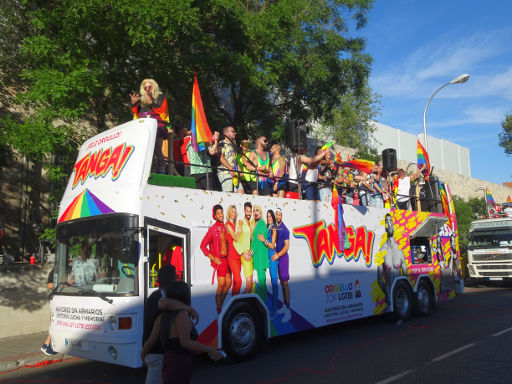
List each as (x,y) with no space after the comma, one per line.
(241,332)
(402,301)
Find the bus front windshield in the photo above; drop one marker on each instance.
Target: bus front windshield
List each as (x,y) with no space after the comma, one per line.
(490,238)
(97,256)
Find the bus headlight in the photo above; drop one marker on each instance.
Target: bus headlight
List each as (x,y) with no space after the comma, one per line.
(113,323)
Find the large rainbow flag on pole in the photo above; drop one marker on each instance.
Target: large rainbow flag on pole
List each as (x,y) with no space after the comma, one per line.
(201,133)
(362,165)
(489,197)
(339,222)
(445,202)
(423,159)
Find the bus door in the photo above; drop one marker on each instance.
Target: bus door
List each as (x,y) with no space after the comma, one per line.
(166,244)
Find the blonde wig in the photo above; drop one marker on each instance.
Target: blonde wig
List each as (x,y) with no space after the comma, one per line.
(156,90)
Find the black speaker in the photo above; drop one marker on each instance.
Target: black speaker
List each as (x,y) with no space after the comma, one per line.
(389,159)
(297,129)
(431,196)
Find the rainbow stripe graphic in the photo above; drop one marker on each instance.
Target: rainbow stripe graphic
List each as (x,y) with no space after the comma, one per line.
(201,133)
(423,159)
(362,165)
(488,196)
(84,205)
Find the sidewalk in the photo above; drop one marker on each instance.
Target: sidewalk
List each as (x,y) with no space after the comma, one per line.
(22,350)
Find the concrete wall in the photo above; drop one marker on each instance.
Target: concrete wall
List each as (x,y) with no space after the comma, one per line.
(443,154)
(24,303)
(464,186)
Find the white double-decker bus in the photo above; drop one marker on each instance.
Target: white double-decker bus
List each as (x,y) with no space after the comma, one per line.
(118,225)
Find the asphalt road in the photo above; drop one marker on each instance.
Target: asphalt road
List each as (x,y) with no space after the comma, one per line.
(467,340)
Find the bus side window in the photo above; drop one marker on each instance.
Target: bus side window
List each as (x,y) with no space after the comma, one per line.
(420,251)
(164,249)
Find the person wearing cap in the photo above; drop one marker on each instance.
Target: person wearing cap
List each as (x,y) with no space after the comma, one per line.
(281,255)
(215,246)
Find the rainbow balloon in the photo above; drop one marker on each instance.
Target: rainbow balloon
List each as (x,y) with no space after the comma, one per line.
(199,127)
(84,205)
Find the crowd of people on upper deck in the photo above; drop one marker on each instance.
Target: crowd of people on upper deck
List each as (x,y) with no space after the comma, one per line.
(225,165)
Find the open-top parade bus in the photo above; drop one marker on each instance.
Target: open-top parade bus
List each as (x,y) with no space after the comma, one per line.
(118,224)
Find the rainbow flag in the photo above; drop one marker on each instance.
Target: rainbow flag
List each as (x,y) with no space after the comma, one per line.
(339,222)
(489,197)
(508,199)
(444,201)
(423,159)
(201,133)
(362,165)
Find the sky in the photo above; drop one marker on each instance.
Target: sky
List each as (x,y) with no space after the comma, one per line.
(418,46)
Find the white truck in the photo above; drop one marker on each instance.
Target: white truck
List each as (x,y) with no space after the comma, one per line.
(490,249)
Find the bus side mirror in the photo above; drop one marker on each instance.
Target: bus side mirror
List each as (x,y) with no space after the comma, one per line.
(127,246)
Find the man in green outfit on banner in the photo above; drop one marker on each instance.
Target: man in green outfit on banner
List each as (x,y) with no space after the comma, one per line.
(260,252)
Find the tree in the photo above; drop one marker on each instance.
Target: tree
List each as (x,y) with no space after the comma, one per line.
(350,122)
(466,213)
(73,63)
(506,134)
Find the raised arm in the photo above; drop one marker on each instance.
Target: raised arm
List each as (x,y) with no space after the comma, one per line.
(415,175)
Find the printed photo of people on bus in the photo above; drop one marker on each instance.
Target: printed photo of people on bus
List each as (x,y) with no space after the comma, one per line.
(258,242)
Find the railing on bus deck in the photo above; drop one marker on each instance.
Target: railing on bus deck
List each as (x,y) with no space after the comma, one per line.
(419,200)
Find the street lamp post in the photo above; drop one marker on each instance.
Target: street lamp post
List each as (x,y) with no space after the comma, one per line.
(458,80)
(485,200)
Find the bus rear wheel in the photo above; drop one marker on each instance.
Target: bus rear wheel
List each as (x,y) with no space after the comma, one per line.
(402,301)
(241,332)
(424,300)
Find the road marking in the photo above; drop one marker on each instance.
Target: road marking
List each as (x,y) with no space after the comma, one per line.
(451,353)
(502,332)
(395,377)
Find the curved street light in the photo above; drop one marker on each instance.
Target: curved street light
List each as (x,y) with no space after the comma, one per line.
(458,80)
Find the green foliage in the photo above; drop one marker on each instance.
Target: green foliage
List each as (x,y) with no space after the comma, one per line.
(466,212)
(350,123)
(368,154)
(257,62)
(506,134)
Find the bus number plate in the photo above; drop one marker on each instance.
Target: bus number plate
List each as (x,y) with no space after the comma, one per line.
(496,278)
(73,343)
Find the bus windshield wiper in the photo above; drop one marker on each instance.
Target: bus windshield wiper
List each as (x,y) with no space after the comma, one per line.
(95,293)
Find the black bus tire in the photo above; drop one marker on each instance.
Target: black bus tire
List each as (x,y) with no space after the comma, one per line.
(423,299)
(241,332)
(402,300)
